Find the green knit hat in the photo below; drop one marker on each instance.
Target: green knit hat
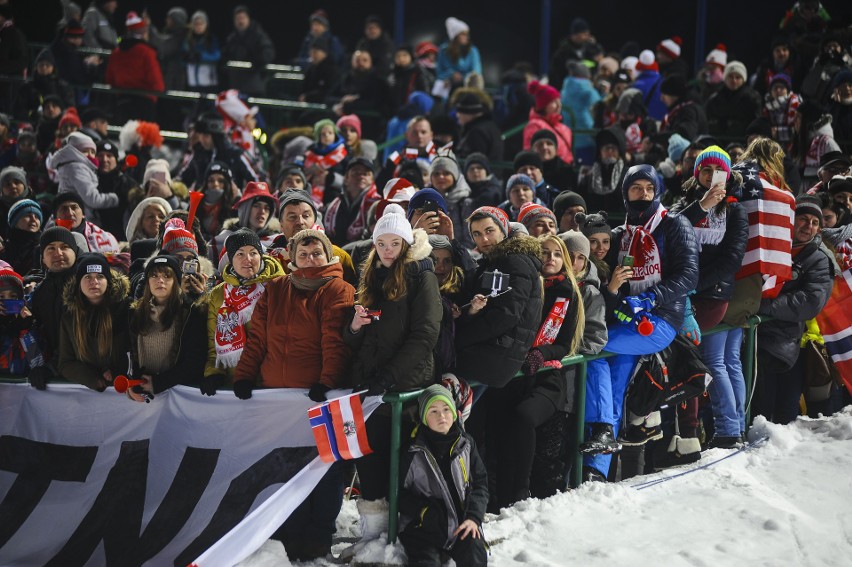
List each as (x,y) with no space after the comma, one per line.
(432,394)
(319,126)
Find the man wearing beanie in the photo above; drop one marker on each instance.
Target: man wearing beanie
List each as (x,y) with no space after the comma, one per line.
(685,116)
(346,216)
(68,211)
(777,393)
(297,213)
(579,45)
(13,188)
(538,219)
(485,188)
(554,169)
(519,191)
(669,58)
(479,132)
(112,181)
(22,240)
(439,439)
(530,164)
(446,178)
(59,253)
(566,205)
(733,107)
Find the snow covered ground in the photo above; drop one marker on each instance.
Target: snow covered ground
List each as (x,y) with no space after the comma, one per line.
(787,500)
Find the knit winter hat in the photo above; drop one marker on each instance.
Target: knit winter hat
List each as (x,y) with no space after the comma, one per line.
(565,200)
(59,234)
(544,94)
(674,85)
(576,242)
(519,179)
(593,223)
(455,26)
(70,116)
(350,120)
(93,263)
(432,394)
(240,238)
(318,126)
(393,221)
(781,78)
(671,46)
(527,158)
(45,55)
(11,172)
(531,212)
(445,163)
(398,190)
(579,25)
(157,165)
(295,196)
(714,155)
(420,197)
(107,146)
(134,23)
(21,209)
(176,238)
(161,260)
(647,61)
(736,67)
(718,56)
(496,214)
(839,184)
(307,234)
(677,145)
(80,141)
(480,159)
(291,170)
(221,168)
(544,134)
(809,205)
(320,16)
(10,279)
(440,242)
(66,196)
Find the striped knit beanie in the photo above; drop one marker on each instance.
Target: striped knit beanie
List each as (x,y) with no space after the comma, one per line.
(22,208)
(494,213)
(531,212)
(714,155)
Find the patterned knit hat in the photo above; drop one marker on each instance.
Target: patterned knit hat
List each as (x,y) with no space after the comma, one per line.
(809,205)
(531,212)
(593,223)
(714,155)
(432,394)
(176,238)
(22,208)
(494,213)
(393,221)
(11,279)
(519,179)
(240,238)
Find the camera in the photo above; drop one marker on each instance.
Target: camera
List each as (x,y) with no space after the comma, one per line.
(190,266)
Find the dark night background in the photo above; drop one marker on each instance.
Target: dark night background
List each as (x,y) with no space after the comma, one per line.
(504,31)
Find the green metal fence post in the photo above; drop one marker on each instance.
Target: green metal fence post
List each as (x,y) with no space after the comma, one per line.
(749,362)
(393,489)
(580,416)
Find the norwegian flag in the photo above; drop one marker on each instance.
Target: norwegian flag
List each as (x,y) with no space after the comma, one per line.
(771,214)
(835,324)
(339,429)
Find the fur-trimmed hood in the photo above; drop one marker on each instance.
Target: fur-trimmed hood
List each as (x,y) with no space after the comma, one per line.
(117,292)
(272,227)
(420,248)
(516,244)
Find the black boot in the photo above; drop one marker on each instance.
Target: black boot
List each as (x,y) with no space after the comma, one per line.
(591,474)
(601,441)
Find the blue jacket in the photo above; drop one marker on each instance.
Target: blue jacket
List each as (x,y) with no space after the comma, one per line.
(445,66)
(578,97)
(648,82)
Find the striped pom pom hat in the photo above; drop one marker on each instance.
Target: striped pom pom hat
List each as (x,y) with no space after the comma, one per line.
(714,155)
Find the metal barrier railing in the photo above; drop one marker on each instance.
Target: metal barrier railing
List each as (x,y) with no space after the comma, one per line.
(396,400)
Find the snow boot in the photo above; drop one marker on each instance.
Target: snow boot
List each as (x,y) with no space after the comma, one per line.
(601,441)
(722,442)
(682,451)
(591,474)
(374,522)
(639,434)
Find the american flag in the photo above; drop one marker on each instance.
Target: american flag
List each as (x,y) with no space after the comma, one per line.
(835,324)
(771,213)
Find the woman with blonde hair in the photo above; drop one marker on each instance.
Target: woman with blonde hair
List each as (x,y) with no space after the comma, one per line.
(770,158)
(93,337)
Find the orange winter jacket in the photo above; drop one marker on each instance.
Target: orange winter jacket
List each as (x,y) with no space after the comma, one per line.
(296,332)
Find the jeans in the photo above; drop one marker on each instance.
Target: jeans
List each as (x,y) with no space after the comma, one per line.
(721,353)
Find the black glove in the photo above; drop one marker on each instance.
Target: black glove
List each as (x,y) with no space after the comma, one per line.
(318,391)
(533,362)
(372,389)
(211,383)
(243,388)
(39,376)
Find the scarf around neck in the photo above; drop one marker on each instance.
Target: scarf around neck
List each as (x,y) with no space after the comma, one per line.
(231,319)
(639,243)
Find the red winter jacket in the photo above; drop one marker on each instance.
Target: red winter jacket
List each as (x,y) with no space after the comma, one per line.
(133,65)
(552,122)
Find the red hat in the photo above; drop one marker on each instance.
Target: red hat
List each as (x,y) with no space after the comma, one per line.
(671,46)
(177,238)
(398,190)
(11,278)
(647,61)
(134,22)
(544,94)
(258,190)
(350,120)
(424,48)
(496,214)
(74,29)
(70,117)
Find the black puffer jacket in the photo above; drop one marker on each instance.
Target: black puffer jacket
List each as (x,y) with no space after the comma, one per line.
(717,263)
(396,350)
(678,251)
(800,299)
(47,307)
(492,345)
(481,135)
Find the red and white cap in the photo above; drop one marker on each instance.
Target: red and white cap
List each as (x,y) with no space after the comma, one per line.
(398,190)
(229,105)
(671,46)
(647,61)
(718,56)
(134,22)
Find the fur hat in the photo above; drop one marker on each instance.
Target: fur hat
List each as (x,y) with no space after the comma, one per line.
(176,238)
(22,208)
(531,212)
(496,214)
(593,223)
(393,221)
(240,238)
(432,394)
(576,242)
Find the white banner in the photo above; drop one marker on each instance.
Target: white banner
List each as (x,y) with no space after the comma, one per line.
(90,478)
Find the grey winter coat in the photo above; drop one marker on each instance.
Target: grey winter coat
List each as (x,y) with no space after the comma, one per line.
(801,298)
(79,175)
(595,334)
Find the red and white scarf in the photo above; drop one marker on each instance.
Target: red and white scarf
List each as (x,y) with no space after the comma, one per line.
(639,243)
(231,321)
(356,229)
(550,328)
(326,161)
